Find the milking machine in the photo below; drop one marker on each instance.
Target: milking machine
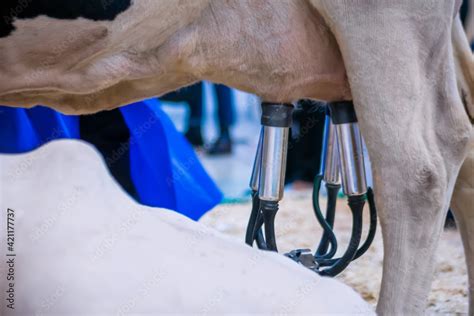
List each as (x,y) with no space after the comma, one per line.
(343,159)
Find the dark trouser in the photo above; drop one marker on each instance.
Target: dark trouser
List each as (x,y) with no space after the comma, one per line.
(109,133)
(225,109)
(193,96)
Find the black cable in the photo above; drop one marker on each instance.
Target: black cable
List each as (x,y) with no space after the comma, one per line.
(249,235)
(257,232)
(269,210)
(254,227)
(356,203)
(372,227)
(370,235)
(322,221)
(332,192)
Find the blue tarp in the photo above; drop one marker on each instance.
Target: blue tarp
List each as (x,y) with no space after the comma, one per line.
(22,130)
(164,167)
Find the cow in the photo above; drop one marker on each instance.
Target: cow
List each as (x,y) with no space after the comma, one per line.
(88,249)
(405,64)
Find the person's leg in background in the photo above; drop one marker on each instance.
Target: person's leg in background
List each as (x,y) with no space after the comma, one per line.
(193,96)
(226,117)
(109,133)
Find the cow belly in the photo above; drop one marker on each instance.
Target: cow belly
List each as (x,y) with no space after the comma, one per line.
(74,65)
(281,51)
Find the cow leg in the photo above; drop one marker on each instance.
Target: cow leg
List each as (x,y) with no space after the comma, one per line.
(462,205)
(398,56)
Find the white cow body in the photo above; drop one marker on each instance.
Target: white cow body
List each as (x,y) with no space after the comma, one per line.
(406,65)
(83,247)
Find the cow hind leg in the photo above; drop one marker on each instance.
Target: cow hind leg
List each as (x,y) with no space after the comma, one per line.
(462,205)
(399,61)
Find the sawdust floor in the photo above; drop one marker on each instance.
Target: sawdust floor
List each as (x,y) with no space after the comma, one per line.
(297,228)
